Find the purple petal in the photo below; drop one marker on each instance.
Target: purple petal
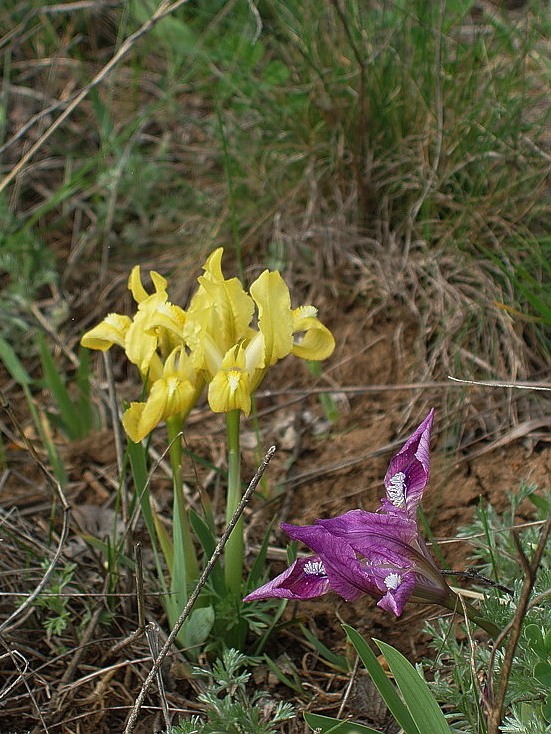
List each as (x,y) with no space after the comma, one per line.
(304,579)
(399,588)
(358,527)
(351,578)
(408,471)
(392,537)
(345,573)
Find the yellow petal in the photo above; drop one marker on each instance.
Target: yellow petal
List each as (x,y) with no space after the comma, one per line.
(135,285)
(230,387)
(275,320)
(166,322)
(140,345)
(180,364)
(136,288)
(167,397)
(169,317)
(213,264)
(111,330)
(317,343)
(218,317)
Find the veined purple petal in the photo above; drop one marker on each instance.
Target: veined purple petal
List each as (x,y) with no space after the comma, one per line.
(358,526)
(304,579)
(399,588)
(381,554)
(351,576)
(393,537)
(408,471)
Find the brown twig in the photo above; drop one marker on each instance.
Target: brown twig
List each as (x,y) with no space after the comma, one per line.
(140,598)
(133,716)
(164,9)
(496,702)
(152,635)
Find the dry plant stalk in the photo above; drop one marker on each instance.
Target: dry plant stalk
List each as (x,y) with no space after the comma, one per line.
(496,702)
(153,673)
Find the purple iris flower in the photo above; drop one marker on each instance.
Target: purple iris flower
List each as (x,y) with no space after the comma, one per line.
(377,553)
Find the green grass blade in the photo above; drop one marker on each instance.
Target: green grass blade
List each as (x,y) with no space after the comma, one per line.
(329,725)
(13,365)
(337,661)
(85,409)
(292,683)
(417,695)
(208,543)
(69,414)
(387,690)
(257,571)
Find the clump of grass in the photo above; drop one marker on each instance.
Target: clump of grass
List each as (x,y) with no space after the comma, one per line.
(463,679)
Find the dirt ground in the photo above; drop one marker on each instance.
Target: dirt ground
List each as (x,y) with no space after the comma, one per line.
(322,468)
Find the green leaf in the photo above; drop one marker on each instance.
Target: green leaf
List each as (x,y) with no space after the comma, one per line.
(69,414)
(329,725)
(542,503)
(534,635)
(208,543)
(338,661)
(197,628)
(13,365)
(547,642)
(542,673)
(417,695)
(386,689)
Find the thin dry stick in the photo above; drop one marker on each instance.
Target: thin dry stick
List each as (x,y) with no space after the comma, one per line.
(164,9)
(496,703)
(481,695)
(64,506)
(349,687)
(494,383)
(140,597)
(361,389)
(133,717)
(67,676)
(16,657)
(152,634)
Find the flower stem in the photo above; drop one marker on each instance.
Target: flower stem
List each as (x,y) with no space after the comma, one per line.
(457,605)
(234,553)
(185,569)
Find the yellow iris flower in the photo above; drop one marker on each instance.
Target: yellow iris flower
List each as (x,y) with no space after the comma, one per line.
(154,331)
(218,316)
(175,393)
(215,341)
(230,387)
(234,355)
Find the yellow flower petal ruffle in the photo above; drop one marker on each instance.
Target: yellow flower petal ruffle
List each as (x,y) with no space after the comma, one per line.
(112,330)
(318,342)
(138,291)
(275,320)
(174,393)
(230,388)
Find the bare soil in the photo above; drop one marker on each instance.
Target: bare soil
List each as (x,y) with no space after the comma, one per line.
(80,681)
